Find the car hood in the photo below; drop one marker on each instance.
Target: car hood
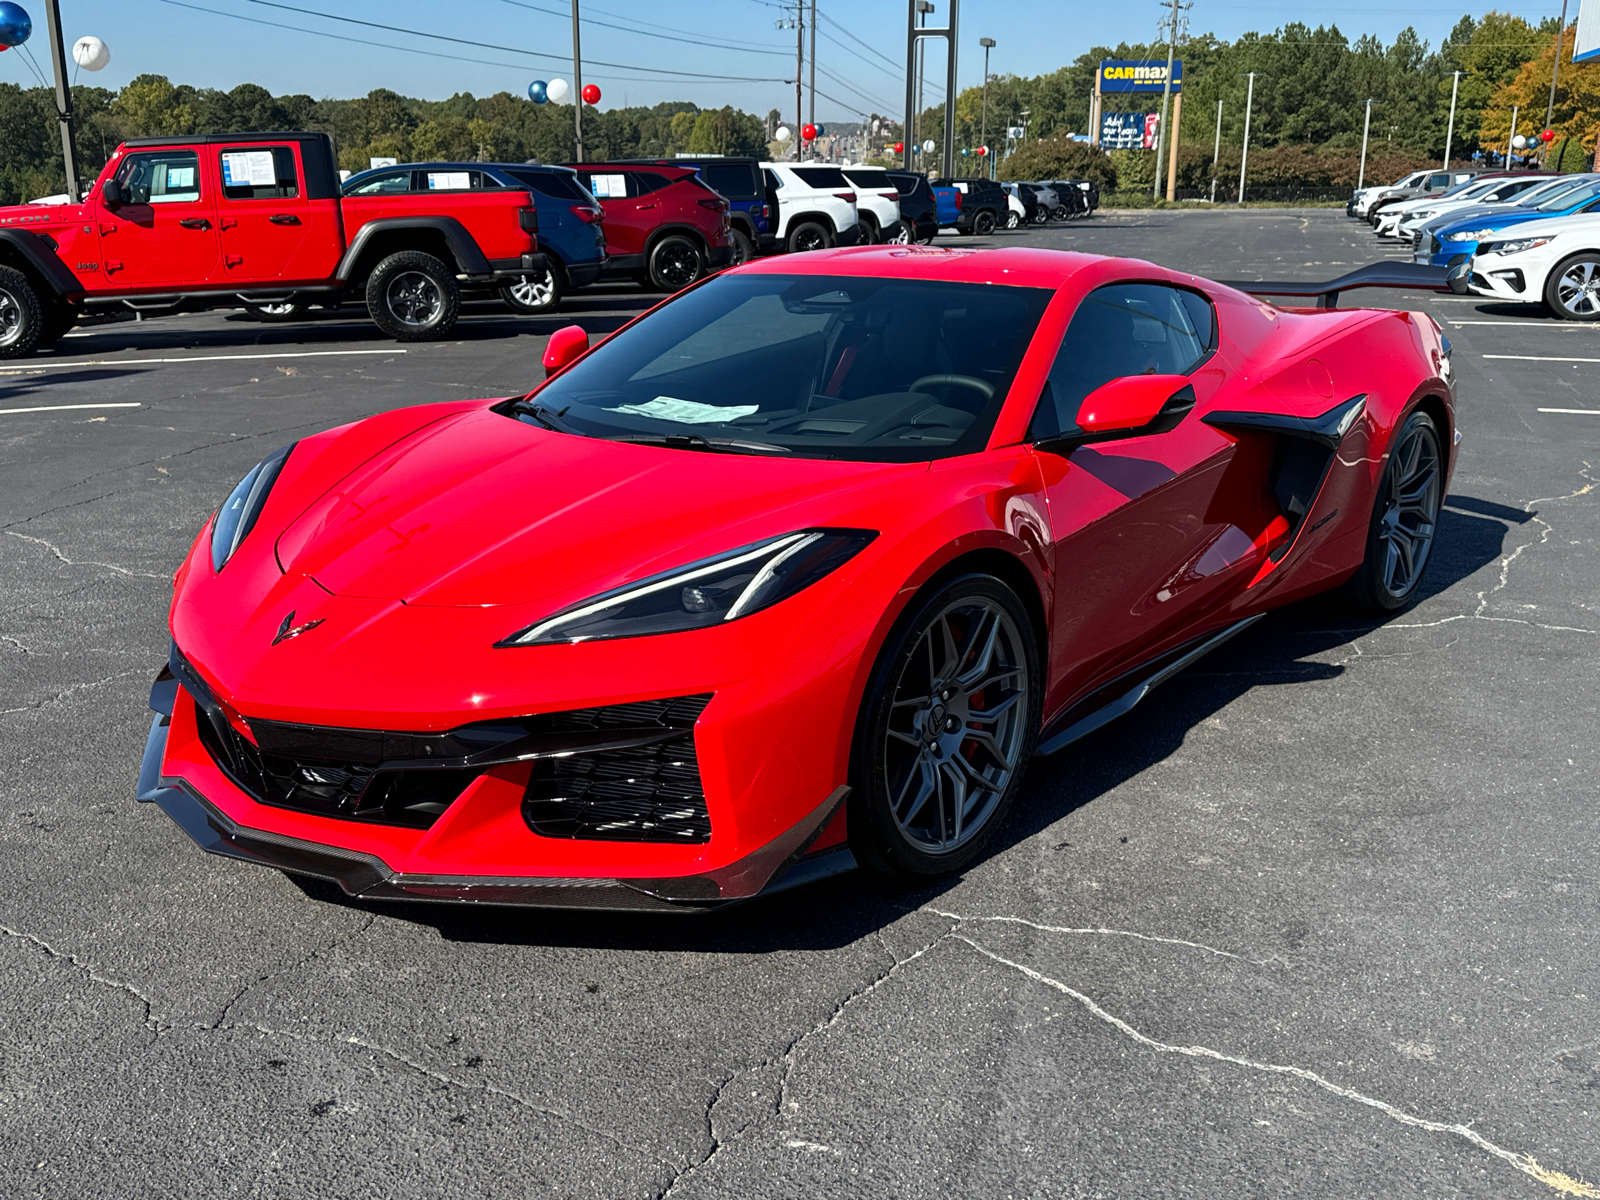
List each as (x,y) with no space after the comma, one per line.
(1455,222)
(479,509)
(1549,226)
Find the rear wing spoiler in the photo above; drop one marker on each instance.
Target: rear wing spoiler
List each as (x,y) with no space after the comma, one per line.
(1384,275)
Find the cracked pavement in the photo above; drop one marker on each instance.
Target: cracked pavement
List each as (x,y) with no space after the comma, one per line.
(1318,919)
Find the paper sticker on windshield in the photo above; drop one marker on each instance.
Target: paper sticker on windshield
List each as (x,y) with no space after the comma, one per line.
(449,181)
(686,412)
(248,168)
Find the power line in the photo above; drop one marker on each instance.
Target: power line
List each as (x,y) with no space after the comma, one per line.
(669,37)
(850,87)
(852,50)
(862,41)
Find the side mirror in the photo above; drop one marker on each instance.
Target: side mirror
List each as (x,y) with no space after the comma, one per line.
(1133,406)
(111,194)
(565,346)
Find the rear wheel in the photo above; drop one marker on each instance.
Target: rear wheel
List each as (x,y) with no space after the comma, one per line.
(870,236)
(675,263)
(21,314)
(1040,216)
(983,224)
(809,235)
(949,722)
(283,310)
(1572,292)
(413,297)
(534,295)
(1013,218)
(907,235)
(743,248)
(1404,518)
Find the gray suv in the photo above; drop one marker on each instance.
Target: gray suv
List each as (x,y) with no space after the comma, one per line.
(1427,185)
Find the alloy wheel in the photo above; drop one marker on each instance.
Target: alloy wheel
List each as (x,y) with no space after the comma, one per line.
(1411,511)
(678,265)
(957,725)
(10,318)
(905,237)
(1578,289)
(809,239)
(414,298)
(533,291)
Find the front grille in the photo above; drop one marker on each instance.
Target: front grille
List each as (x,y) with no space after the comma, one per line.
(639,793)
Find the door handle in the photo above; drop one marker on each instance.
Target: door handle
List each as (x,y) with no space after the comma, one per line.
(284,219)
(642,207)
(232,260)
(226,223)
(195,223)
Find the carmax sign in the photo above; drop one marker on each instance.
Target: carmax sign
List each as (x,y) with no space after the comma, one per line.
(1129,75)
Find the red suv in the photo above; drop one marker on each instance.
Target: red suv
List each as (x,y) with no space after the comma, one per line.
(664,227)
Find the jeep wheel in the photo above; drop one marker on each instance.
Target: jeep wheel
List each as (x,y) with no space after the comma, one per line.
(283,310)
(533,295)
(675,263)
(21,315)
(743,248)
(413,297)
(983,223)
(809,235)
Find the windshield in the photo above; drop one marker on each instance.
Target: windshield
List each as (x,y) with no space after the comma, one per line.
(1572,196)
(1463,191)
(1539,193)
(819,366)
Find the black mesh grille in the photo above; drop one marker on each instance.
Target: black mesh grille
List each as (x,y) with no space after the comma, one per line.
(642,793)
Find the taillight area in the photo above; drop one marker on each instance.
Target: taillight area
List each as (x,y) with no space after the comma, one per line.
(890,195)
(528,218)
(714,205)
(847,196)
(589,216)
(957,195)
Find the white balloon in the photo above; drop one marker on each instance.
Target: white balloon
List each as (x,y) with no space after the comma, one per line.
(558,91)
(783,134)
(927,146)
(91,53)
(1519,142)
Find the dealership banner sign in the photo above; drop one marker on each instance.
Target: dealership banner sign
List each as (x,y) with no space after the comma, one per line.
(1134,75)
(1129,131)
(1587,46)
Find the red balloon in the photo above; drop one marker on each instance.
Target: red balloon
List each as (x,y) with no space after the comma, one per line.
(899,147)
(1548,135)
(591,94)
(809,132)
(982,150)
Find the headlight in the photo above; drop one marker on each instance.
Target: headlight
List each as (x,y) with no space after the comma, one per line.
(722,588)
(1516,247)
(1423,215)
(239,511)
(1471,235)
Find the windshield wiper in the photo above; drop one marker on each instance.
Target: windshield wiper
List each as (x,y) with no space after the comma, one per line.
(545,415)
(694,441)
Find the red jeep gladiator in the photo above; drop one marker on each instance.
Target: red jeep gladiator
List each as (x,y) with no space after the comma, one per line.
(216,220)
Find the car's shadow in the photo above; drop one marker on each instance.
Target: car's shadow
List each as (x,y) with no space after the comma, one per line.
(1278,650)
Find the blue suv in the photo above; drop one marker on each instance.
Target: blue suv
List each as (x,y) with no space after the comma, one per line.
(1456,242)
(570,234)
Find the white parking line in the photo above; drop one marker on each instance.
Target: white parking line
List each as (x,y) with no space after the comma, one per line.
(34,365)
(1587,412)
(1522,324)
(63,407)
(1540,358)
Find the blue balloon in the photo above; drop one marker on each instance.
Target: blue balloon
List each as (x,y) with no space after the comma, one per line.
(15,24)
(538,91)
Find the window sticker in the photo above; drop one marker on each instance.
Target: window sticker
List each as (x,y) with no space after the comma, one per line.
(449,181)
(180,179)
(248,168)
(687,412)
(609,187)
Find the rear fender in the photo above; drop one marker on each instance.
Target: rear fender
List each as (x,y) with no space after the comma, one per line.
(387,235)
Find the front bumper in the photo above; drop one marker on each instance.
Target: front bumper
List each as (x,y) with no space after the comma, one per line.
(1502,277)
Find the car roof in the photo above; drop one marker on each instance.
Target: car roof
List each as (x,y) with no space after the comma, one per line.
(1020,266)
(620,167)
(217,139)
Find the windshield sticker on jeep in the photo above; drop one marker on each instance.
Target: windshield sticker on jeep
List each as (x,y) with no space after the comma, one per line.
(243,168)
(687,412)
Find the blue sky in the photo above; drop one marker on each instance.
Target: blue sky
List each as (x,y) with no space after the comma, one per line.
(195,42)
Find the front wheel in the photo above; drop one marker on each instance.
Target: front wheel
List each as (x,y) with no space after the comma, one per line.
(946,730)
(21,314)
(1572,292)
(533,295)
(809,235)
(413,297)
(983,224)
(743,248)
(675,263)
(1405,516)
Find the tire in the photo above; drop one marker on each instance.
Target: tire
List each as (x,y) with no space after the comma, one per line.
(1405,517)
(413,297)
(1572,289)
(534,295)
(928,241)
(907,235)
(21,314)
(1013,219)
(676,261)
(809,235)
(870,234)
(1060,214)
(743,248)
(919,757)
(1040,216)
(284,311)
(983,223)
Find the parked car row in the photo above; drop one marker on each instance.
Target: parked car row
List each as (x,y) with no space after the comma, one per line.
(1524,236)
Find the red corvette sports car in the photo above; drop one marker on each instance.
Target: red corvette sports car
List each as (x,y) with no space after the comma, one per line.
(793,573)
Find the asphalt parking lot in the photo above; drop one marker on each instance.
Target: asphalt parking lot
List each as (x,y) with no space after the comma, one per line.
(1319,920)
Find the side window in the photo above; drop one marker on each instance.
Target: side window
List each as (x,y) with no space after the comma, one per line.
(1124,329)
(266,173)
(160,177)
(1438,181)
(390,183)
(642,183)
(450,181)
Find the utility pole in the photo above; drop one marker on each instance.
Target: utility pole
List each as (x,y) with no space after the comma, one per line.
(924,7)
(983,126)
(811,109)
(58,60)
(1216,151)
(1555,68)
(1249,103)
(1450,129)
(1366,126)
(1166,93)
(577,87)
(799,77)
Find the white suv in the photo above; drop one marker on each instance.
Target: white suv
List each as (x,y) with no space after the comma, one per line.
(816,212)
(877,201)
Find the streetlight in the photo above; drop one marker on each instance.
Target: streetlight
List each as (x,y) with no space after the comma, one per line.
(1216,151)
(1450,129)
(983,137)
(577,88)
(924,7)
(1366,125)
(1249,102)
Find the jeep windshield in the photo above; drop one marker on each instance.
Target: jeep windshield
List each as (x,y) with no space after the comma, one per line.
(817,366)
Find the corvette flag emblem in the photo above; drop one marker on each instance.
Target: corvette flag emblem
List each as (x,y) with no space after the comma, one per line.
(290,630)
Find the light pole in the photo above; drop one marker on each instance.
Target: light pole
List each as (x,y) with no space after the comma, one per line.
(811,108)
(1366,126)
(1216,151)
(1450,129)
(577,87)
(1512,136)
(1555,68)
(924,7)
(983,135)
(1249,103)
(1166,95)
(58,60)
